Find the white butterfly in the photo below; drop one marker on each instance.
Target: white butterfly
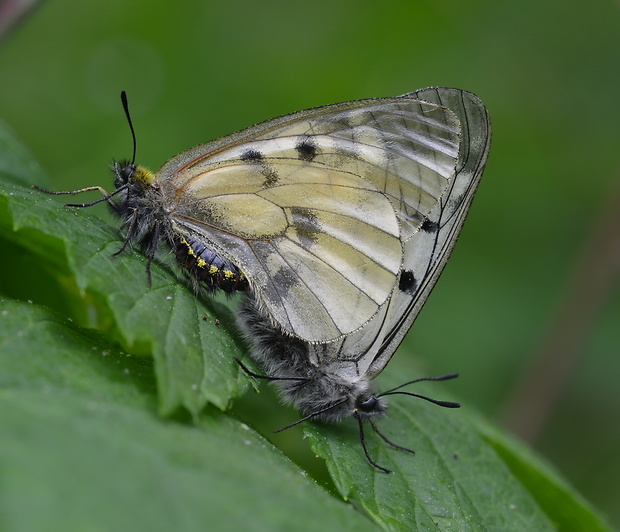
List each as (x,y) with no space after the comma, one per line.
(336,221)
(331,379)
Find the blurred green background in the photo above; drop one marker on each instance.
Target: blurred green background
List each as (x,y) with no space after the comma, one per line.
(529,295)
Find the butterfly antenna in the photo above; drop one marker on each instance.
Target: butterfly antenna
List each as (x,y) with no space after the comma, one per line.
(439,378)
(445,404)
(133,133)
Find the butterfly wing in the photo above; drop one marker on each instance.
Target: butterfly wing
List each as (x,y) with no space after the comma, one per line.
(367,351)
(426,253)
(314,207)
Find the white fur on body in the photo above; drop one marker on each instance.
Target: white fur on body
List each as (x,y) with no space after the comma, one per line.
(286,357)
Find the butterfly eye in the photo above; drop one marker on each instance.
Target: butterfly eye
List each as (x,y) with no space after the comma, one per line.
(123,172)
(367,405)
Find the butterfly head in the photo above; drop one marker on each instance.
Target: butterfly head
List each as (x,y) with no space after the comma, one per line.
(330,398)
(369,404)
(127,173)
(134,190)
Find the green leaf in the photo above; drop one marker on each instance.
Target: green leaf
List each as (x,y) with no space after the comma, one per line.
(82,447)
(193,355)
(567,508)
(456,475)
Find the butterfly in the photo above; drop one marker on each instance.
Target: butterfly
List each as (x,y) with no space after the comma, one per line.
(335,222)
(332,380)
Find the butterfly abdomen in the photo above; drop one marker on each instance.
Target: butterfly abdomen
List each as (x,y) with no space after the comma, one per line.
(208,267)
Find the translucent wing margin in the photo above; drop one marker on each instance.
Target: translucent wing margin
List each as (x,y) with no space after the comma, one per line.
(428,250)
(314,207)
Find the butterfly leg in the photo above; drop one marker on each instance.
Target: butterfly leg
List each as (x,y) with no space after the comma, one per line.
(363,442)
(386,440)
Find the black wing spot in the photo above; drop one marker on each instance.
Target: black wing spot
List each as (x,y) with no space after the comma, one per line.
(251,155)
(255,157)
(428,226)
(306,148)
(407,282)
(306,225)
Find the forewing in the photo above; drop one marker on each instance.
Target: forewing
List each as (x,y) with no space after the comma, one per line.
(365,353)
(314,206)
(308,247)
(426,253)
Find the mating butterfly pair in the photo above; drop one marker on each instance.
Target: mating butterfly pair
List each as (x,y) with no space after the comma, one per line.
(335,222)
